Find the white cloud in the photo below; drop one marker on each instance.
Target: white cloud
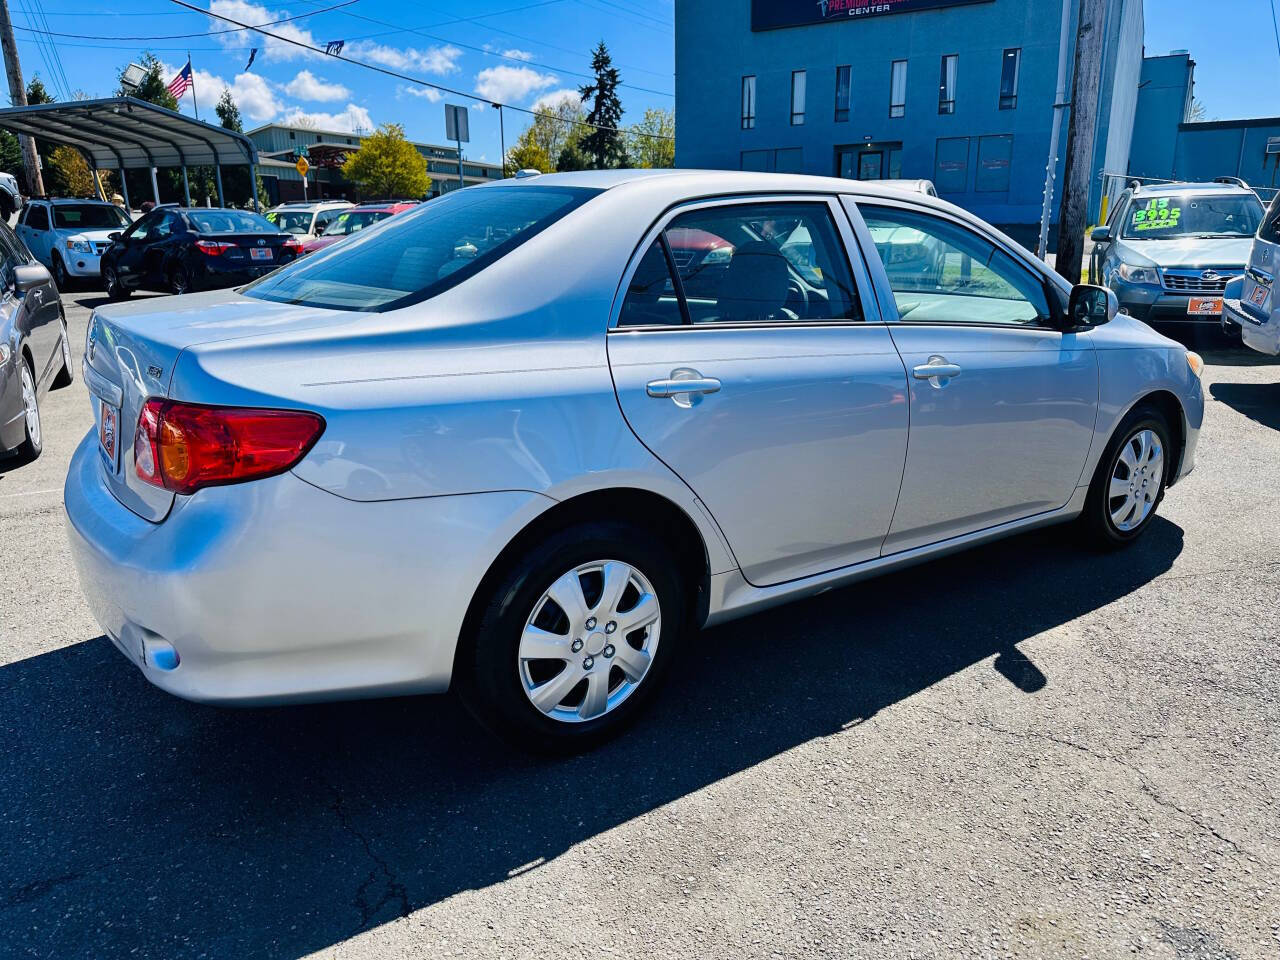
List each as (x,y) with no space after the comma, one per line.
(253,94)
(350,120)
(511,84)
(246,12)
(518,54)
(437,60)
(426,93)
(554,97)
(307,86)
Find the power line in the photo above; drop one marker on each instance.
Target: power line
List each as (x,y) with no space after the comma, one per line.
(188,36)
(409,78)
(1275,23)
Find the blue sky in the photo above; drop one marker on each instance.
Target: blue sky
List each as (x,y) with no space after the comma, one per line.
(516,51)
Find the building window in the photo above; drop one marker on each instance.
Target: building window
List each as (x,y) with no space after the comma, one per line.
(843,78)
(748,103)
(951,165)
(947,84)
(898,89)
(787,160)
(797,97)
(1009,65)
(292,135)
(995,156)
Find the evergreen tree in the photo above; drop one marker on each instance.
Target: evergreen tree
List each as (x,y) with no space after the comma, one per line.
(605,146)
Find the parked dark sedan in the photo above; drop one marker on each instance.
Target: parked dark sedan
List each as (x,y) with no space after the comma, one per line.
(35,353)
(180,249)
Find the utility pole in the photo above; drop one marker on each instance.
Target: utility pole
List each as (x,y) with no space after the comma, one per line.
(18,98)
(1080,139)
(1059,105)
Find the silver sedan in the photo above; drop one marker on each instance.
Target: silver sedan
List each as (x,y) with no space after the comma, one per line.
(524,440)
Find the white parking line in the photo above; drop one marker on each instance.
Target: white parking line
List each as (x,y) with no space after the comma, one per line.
(30,493)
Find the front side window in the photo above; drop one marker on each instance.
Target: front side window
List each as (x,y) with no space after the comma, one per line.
(88,216)
(844,77)
(798,83)
(1270,229)
(748,103)
(1205,216)
(898,89)
(941,272)
(947,84)
(421,252)
(142,229)
(750,263)
(1010,64)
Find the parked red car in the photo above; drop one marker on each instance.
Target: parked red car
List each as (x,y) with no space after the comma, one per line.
(354,220)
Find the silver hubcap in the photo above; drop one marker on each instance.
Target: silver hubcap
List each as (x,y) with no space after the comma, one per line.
(30,406)
(1135,480)
(590,640)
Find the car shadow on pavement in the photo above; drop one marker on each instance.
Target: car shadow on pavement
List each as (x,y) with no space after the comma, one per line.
(1257,401)
(132,823)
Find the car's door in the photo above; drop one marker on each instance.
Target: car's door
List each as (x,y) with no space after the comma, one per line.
(132,246)
(37,231)
(158,249)
(753,362)
(1003,403)
(40,314)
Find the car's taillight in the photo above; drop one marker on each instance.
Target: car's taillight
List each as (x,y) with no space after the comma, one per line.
(213,248)
(294,247)
(185,446)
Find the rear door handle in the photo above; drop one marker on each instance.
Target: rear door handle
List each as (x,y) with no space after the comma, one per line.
(937,370)
(672,388)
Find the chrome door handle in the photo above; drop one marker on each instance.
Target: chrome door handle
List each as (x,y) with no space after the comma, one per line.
(937,369)
(672,388)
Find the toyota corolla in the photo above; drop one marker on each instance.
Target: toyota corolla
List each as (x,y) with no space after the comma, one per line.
(500,445)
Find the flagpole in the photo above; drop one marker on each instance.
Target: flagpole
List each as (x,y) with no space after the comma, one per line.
(194,106)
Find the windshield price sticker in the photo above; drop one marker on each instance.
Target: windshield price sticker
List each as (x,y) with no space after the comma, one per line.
(1156,215)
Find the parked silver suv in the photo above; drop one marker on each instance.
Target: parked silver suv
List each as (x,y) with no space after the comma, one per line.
(1250,303)
(1168,250)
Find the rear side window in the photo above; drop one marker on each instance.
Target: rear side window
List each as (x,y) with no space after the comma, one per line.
(1270,229)
(420,253)
(651,295)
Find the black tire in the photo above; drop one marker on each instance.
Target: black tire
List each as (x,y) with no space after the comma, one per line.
(32,444)
(111,281)
(1096,522)
(67,373)
(487,671)
(61,279)
(179,280)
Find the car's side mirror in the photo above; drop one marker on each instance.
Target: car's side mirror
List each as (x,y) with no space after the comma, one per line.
(28,276)
(114,237)
(1091,305)
(1101,235)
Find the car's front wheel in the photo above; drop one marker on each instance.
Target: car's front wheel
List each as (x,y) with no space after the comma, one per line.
(1130,480)
(60,276)
(574,638)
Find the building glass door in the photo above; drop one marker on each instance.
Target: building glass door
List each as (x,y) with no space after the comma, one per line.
(871,165)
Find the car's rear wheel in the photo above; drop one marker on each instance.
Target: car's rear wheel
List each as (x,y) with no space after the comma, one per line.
(179,280)
(111,280)
(60,275)
(32,444)
(574,638)
(1130,480)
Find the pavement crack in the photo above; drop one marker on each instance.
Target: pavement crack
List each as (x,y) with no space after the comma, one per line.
(393,892)
(36,889)
(1144,781)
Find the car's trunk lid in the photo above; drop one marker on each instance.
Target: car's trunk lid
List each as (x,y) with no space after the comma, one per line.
(130,354)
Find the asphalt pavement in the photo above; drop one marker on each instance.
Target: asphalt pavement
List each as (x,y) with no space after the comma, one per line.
(1029,750)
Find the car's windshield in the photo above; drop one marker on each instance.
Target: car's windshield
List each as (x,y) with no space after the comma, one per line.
(353,221)
(421,252)
(1191,215)
(88,216)
(291,221)
(229,221)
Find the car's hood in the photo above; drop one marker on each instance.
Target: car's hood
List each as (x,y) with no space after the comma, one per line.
(1193,251)
(102,234)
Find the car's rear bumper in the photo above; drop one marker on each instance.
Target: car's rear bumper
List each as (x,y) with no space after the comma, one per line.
(1263,336)
(277,591)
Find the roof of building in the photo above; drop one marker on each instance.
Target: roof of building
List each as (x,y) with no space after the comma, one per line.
(124,132)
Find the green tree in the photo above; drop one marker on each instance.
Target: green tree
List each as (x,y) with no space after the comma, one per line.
(652,140)
(388,165)
(605,145)
(10,154)
(37,92)
(556,125)
(66,173)
(228,113)
(573,157)
(527,156)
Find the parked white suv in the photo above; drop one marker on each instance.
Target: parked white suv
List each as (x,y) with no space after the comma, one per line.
(307,220)
(69,236)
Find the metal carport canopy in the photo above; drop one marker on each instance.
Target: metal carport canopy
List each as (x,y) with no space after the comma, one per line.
(125,133)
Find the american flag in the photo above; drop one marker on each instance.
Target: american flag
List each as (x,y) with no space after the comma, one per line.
(182,82)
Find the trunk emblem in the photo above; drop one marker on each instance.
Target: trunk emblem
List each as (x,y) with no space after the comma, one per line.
(262,243)
(154,372)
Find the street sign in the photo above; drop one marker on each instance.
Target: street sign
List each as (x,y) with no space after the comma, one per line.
(457,124)
(302,166)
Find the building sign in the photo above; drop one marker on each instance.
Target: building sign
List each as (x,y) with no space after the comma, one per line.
(772,14)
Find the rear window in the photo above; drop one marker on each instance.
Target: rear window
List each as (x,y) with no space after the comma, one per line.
(89,216)
(1270,229)
(420,253)
(228,221)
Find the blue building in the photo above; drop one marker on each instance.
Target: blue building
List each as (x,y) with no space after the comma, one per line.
(1169,145)
(960,92)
